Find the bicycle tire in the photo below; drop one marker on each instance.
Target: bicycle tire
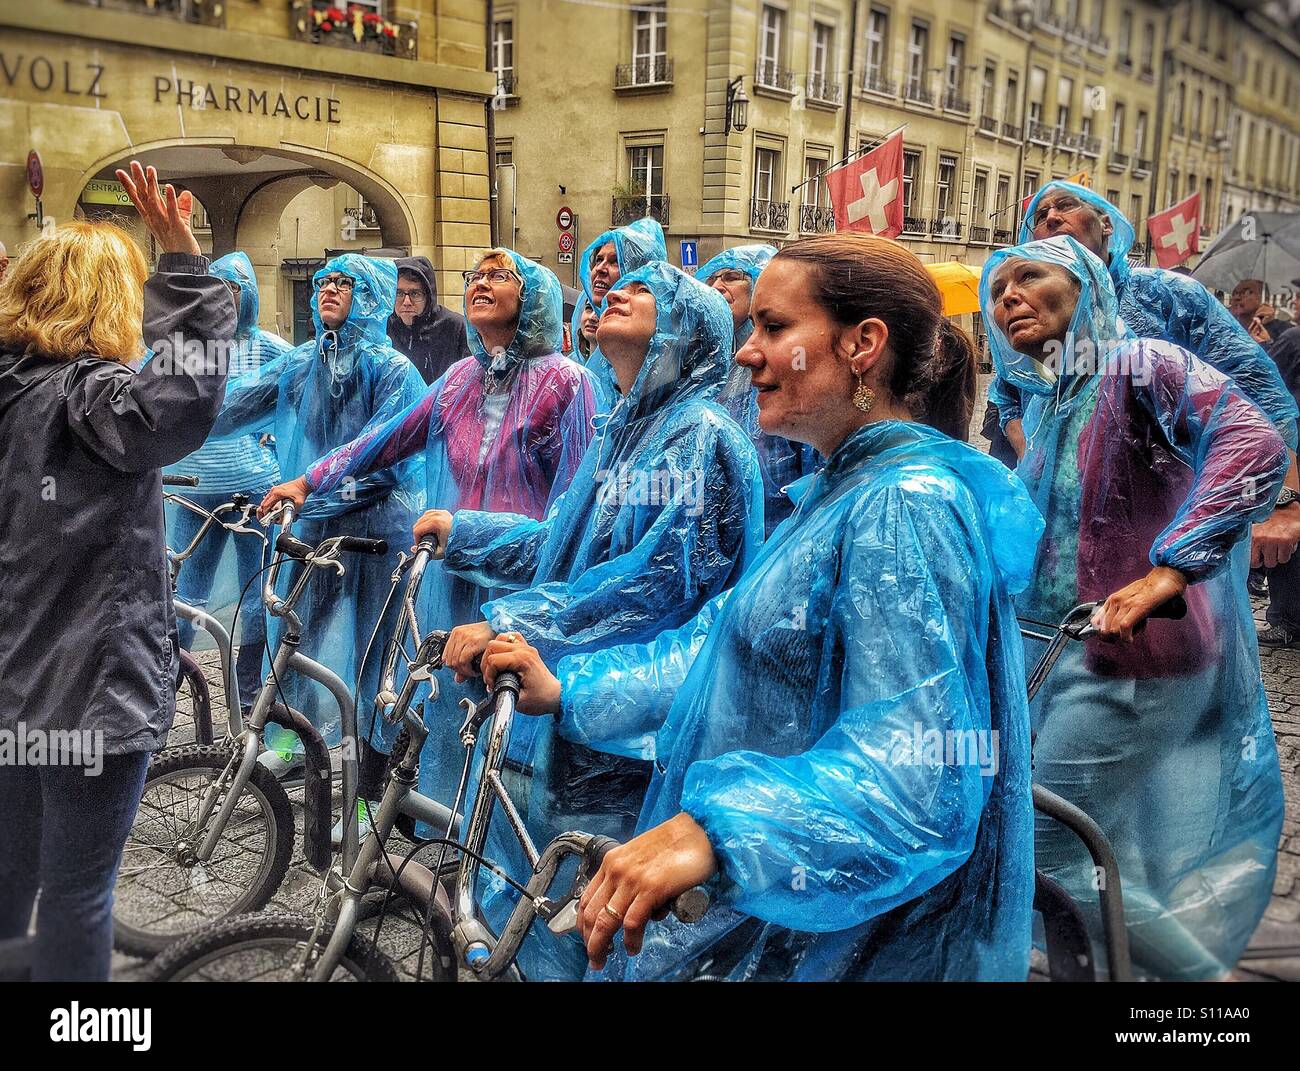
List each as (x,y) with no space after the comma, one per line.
(239,934)
(206,761)
(192,678)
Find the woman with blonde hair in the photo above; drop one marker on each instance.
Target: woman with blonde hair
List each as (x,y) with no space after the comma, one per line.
(87,630)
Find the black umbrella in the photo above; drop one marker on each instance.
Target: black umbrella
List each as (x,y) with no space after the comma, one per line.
(1260,245)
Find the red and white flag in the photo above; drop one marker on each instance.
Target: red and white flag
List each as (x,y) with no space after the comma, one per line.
(1176,232)
(867,194)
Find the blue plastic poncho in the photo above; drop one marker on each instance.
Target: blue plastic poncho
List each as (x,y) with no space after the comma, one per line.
(1155,303)
(501,432)
(1138,455)
(214,576)
(315,398)
(781,461)
(600,374)
(663,515)
(849,726)
(636,245)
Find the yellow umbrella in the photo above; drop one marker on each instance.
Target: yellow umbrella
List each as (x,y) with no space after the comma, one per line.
(959,284)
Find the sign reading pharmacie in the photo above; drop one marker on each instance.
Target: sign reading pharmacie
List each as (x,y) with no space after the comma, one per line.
(20,69)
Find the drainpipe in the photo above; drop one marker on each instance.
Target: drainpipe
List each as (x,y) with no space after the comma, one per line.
(849,87)
(491,125)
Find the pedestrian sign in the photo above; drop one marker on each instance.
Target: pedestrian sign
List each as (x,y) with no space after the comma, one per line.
(690,254)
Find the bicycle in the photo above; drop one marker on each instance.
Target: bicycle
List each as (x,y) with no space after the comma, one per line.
(326,946)
(214,832)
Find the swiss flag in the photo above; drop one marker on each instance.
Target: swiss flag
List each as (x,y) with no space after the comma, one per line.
(867,194)
(1175,233)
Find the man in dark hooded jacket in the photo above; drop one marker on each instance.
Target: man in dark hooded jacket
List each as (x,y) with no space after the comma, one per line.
(431,336)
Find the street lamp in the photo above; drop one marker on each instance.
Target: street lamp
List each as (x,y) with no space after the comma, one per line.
(737,106)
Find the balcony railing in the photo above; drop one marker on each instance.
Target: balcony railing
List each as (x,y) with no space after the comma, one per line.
(815,219)
(1141,168)
(508,83)
(988,124)
(1099,42)
(914,225)
(918,94)
(1147,73)
(769,215)
(1046,20)
(1001,236)
(1090,146)
(876,82)
(644,71)
(206,12)
(1039,133)
(1178,130)
(946,228)
(980,235)
(629,209)
(1010,130)
(359,31)
(1068,139)
(953,101)
(1124,64)
(824,91)
(767,75)
(1118,162)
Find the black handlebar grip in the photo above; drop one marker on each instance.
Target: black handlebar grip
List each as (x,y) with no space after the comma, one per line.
(285,543)
(361,545)
(506,681)
(180,481)
(1175,609)
(597,848)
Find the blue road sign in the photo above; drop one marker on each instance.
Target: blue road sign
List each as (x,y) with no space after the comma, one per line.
(690,254)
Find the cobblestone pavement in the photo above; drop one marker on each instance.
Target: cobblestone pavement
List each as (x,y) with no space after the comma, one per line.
(1280,926)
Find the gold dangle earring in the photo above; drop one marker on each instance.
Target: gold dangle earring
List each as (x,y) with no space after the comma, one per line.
(864,397)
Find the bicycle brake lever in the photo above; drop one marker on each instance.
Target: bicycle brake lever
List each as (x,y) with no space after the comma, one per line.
(565,920)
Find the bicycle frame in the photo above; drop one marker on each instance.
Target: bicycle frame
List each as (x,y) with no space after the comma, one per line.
(247,743)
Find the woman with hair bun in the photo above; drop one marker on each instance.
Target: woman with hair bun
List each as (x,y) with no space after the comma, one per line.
(793,720)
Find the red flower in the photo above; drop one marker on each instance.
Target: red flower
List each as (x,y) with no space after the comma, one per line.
(327,26)
(370,18)
(390,31)
(335,14)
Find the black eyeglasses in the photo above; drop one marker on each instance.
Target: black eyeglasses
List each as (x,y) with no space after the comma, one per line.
(339,282)
(1061,204)
(495,276)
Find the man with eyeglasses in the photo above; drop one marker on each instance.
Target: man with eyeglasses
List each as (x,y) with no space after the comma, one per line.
(432,336)
(1155,303)
(318,396)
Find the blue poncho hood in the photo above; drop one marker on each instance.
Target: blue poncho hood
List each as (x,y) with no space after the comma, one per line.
(637,244)
(1122,235)
(237,268)
(751,259)
(1095,321)
(541,316)
(690,349)
(367,323)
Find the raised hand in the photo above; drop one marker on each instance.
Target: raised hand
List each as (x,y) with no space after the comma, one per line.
(165,213)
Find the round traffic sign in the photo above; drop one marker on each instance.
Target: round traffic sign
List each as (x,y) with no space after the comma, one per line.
(35,173)
(566,242)
(564,218)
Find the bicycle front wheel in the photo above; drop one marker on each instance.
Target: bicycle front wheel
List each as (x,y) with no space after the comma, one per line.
(265,948)
(163,892)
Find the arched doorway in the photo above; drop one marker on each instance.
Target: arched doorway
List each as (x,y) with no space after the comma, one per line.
(287,209)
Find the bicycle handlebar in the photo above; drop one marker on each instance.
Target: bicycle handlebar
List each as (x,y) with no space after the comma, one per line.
(688,907)
(361,545)
(179,481)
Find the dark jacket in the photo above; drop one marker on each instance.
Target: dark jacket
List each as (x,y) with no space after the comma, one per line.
(87,629)
(437,339)
(1285,351)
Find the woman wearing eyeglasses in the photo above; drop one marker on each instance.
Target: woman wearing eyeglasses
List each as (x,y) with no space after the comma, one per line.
(502,431)
(316,397)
